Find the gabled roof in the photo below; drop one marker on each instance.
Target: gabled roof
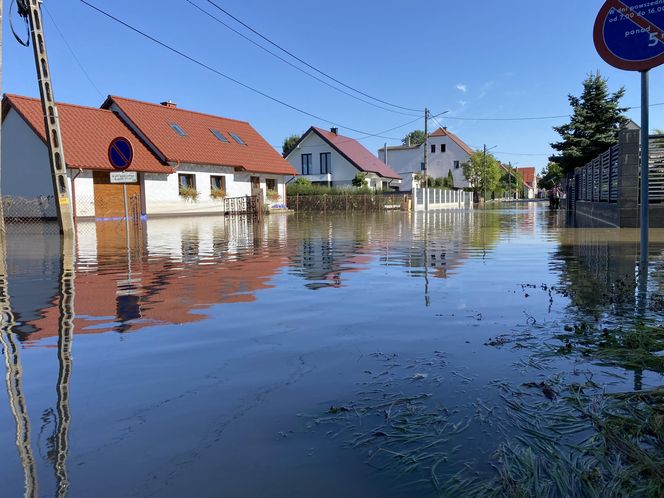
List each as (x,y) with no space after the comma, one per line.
(200,145)
(528,175)
(356,153)
(443,132)
(86,134)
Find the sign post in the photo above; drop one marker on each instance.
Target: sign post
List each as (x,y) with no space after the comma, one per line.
(629,35)
(120,155)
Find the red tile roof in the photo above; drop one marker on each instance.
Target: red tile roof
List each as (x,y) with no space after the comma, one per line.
(200,146)
(86,134)
(528,175)
(356,153)
(442,132)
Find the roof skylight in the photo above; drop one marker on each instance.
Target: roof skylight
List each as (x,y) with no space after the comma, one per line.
(178,129)
(236,138)
(218,134)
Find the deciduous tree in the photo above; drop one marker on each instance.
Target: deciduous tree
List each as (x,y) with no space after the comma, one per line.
(551,176)
(482,172)
(416,137)
(289,144)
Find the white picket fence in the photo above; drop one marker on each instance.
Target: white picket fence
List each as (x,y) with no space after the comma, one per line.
(441,199)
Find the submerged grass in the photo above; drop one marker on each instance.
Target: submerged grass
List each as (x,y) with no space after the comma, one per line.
(559,438)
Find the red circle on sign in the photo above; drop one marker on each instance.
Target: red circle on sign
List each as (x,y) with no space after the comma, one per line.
(608,55)
(120,153)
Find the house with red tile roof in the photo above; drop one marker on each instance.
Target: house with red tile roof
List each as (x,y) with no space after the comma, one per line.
(328,158)
(529,175)
(185,161)
(447,152)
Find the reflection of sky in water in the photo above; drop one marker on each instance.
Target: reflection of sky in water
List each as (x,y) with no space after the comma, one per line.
(193,353)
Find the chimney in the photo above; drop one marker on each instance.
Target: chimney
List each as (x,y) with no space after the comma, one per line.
(170,104)
(335,130)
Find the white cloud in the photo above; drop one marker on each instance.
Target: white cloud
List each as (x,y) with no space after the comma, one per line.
(462,103)
(462,88)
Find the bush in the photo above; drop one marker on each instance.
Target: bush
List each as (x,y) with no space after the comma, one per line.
(272,195)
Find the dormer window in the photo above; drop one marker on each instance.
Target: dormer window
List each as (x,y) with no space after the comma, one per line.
(178,129)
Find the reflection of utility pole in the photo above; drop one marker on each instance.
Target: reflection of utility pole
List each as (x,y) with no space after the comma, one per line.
(14,382)
(31,9)
(65,338)
(426,159)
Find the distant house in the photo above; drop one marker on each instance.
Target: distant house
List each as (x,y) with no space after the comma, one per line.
(328,158)
(175,152)
(529,176)
(447,152)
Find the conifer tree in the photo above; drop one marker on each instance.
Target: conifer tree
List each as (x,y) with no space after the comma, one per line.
(596,121)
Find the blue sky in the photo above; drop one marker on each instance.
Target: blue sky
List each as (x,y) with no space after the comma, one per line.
(481,60)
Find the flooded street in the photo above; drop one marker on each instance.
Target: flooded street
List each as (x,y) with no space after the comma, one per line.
(350,355)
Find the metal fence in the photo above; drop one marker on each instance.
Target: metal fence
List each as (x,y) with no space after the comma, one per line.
(597,181)
(350,202)
(656,170)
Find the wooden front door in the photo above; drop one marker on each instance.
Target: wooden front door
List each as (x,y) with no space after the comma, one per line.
(109,199)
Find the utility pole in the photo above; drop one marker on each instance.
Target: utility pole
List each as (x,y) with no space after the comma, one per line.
(2,214)
(509,180)
(426,158)
(31,9)
(484,163)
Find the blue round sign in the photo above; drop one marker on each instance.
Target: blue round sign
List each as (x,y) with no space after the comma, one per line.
(629,34)
(120,153)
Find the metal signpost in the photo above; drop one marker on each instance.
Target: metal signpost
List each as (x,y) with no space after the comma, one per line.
(629,35)
(120,155)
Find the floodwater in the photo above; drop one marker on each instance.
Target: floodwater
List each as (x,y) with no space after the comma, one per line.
(204,360)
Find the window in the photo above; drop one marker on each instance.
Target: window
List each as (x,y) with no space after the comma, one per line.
(325,160)
(217,183)
(433,148)
(443,147)
(178,129)
(236,138)
(271,184)
(187,183)
(306,164)
(218,134)
(255,183)
(456,165)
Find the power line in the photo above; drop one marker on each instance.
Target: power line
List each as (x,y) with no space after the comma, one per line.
(71,51)
(219,73)
(286,61)
(217,6)
(534,118)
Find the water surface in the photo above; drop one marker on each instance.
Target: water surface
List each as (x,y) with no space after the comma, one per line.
(200,361)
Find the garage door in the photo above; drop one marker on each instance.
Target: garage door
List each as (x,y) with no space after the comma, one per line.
(109,201)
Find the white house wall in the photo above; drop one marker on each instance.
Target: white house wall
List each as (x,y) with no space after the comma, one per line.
(162,192)
(27,183)
(405,161)
(26,171)
(342,171)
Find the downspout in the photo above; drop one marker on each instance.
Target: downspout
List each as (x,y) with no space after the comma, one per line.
(73,193)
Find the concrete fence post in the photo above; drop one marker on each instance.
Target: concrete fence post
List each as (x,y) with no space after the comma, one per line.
(628,178)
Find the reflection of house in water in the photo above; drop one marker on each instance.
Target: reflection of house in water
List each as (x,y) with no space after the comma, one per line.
(185,266)
(326,252)
(438,243)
